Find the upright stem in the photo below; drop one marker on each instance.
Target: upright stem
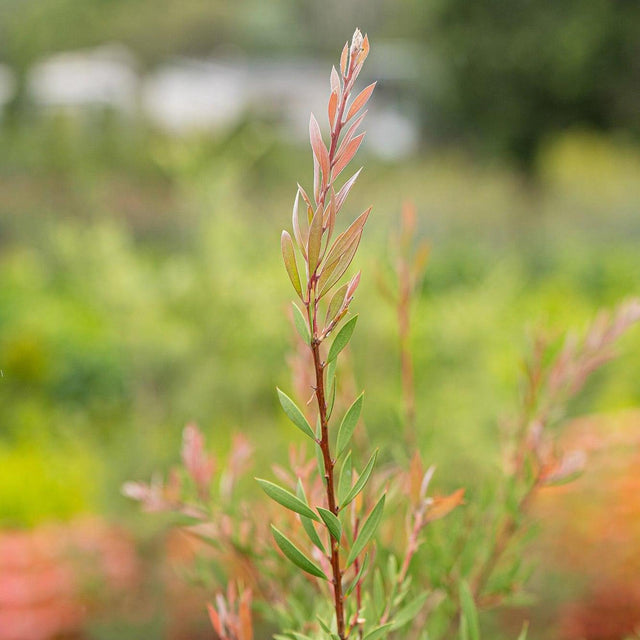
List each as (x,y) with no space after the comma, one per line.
(329,463)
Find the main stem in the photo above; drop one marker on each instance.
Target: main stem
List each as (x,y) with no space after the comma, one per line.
(338,596)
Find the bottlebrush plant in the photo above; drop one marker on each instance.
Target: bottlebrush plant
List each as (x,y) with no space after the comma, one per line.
(325,558)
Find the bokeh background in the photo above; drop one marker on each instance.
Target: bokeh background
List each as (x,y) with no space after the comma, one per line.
(149,155)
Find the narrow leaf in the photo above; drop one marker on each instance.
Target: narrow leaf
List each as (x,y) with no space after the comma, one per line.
(345,158)
(287,499)
(319,149)
(525,631)
(342,252)
(330,276)
(335,305)
(343,59)
(295,415)
(334,81)
(368,529)
(307,524)
(469,611)
(290,263)
(409,611)
(380,632)
(360,100)
(295,222)
(348,136)
(361,481)
(344,190)
(342,339)
(333,524)
(348,423)
(344,482)
(315,240)
(363,568)
(295,555)
(332,108)
(301,323)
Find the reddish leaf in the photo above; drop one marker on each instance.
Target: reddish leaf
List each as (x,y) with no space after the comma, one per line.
(344,190)
(348,153)
(440,507)
(351,131)
(343,59)
(335,81)
(362,56)
(199,465)
(332,108)
(353,285)
(244,615)
(215,621)
(360,100)
(330,217)
(319,149)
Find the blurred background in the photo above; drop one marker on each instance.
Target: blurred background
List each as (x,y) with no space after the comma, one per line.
(149,155)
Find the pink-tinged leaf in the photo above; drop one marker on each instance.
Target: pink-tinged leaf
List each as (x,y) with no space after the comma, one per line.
(215,621)
(353,285)
(335,81)
(344,190)
(319,149)
(289,256)
(343,59)
(440,507)
(316,183)
(351,131)
(244,617)
(315,240)
(362,56)
(332,108)
(330,217)
(347,155)
(199,465)
(360,100)
(336,304)
(296,225)
(304,195)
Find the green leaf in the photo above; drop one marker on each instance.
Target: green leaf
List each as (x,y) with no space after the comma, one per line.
(332,522)
(363,568)
(301,323)
(379,632)
(295,555)
(320,463)
(307,525)
(367,531)
(469,611)
(361,481)
(295,415)
(287,499)
(344,481)
(336,303)
(348,424)
(378,593)
(342,339)
(289,257)
(409,611)
(525,631)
